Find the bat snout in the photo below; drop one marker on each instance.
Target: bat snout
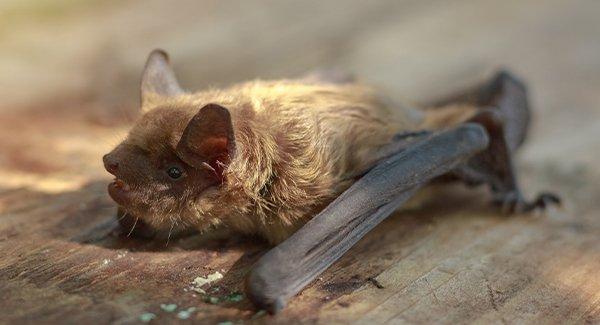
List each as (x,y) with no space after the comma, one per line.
(111,164)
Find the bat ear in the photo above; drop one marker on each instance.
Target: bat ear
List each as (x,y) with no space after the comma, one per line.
(158,79)
(207,141)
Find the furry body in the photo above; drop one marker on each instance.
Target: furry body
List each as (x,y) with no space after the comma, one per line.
(298,145)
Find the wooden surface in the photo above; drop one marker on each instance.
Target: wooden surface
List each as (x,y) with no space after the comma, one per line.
(68,74)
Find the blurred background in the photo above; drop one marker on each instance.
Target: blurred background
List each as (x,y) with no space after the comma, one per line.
(72,67)
(69,75)
(81,59)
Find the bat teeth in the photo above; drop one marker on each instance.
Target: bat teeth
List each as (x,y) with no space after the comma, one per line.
(121,185)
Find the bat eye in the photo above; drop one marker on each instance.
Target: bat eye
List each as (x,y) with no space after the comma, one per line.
(174,172)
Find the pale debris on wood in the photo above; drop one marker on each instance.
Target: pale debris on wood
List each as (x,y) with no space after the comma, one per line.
(147,317)
(169,308)
(200,281)
(185,314)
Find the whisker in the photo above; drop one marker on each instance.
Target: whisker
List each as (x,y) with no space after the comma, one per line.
(134,224)
(169,236)
(123,216)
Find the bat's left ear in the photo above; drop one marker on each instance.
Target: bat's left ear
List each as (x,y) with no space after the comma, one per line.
(208,139)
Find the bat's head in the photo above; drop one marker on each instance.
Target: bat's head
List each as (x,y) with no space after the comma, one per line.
(174,157)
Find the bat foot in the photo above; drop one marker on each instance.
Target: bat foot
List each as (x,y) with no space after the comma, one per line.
(513,202)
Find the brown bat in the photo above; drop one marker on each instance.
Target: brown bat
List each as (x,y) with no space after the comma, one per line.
(311,164)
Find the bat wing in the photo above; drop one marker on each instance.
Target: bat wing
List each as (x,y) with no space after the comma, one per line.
(478,152)
(503,110)
(289,267)
(505,93)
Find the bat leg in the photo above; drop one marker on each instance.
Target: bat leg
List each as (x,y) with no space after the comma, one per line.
(288,268)
(494,167)
(504,112)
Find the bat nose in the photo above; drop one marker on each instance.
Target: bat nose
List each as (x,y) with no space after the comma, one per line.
(110,164)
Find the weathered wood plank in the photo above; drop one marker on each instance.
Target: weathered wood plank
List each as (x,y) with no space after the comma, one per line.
(69,100)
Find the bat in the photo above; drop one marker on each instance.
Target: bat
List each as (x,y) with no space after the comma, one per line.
(309,164)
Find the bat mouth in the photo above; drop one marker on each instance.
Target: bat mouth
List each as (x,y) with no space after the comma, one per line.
(119,191)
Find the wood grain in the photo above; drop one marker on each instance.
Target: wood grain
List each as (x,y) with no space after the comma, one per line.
(69,81)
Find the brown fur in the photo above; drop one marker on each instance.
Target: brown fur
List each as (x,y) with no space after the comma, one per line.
(297,145)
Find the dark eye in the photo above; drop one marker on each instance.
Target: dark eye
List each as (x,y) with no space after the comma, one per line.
(174,172)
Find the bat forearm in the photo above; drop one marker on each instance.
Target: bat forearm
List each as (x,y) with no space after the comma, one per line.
(289,267)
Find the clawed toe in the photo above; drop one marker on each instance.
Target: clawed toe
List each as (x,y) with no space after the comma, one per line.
(513,202)
(545,199)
